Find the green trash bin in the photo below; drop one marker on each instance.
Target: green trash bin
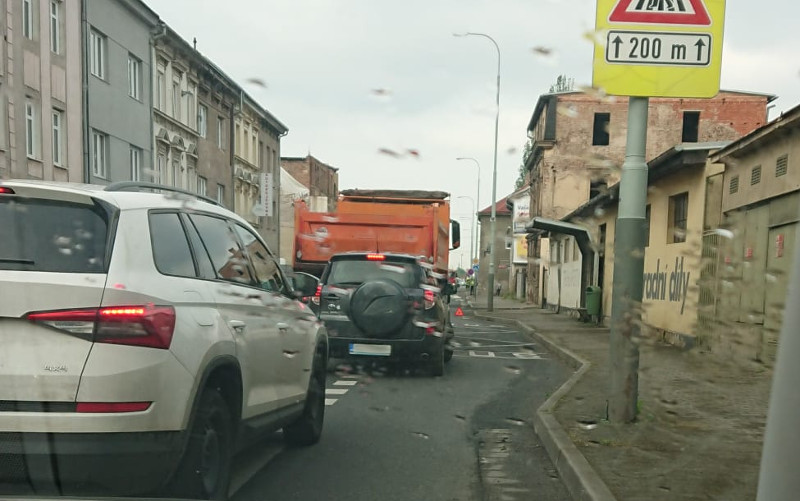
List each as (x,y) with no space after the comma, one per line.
(594,296)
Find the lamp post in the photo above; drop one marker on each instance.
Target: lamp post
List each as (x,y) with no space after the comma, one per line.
(475,212)
(472,236)
(492,220)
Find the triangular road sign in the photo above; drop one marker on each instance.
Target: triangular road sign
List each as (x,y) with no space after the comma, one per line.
(668,12)
(459,312)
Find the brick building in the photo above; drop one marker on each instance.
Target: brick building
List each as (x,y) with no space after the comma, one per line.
(321,179)
(578,146)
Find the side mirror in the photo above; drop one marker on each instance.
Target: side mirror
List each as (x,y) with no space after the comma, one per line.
(300,296)
(455,235)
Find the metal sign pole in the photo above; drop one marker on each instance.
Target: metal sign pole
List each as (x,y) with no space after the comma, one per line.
(629,239)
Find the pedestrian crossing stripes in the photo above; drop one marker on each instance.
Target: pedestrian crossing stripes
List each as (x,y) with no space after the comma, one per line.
(661,6)
(339,389)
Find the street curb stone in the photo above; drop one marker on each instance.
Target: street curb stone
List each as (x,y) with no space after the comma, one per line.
(583,483)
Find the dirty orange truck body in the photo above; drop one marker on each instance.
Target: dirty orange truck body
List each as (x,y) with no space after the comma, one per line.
(400,221)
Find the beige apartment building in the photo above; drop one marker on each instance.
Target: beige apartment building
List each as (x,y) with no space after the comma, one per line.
(40,96)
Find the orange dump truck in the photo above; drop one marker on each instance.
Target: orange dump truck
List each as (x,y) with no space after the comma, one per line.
(400,221)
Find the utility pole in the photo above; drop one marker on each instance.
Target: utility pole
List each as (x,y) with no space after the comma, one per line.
(629,239)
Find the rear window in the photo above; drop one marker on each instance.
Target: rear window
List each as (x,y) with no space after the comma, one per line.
(52,236)
(349,271)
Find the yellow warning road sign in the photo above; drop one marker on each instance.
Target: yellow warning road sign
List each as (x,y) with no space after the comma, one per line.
(659,48)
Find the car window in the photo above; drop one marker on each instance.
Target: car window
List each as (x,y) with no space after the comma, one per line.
(223,248)
(267,271)
(43,235)
(171,251)
(351,271)
(205,267)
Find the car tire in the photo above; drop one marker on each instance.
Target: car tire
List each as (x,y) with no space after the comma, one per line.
(437,362)
(205,469)
(307,430)
(448,354)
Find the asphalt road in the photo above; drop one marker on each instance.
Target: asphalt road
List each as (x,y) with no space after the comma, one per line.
(403,436)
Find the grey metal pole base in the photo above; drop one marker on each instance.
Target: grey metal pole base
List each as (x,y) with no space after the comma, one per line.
(626,298)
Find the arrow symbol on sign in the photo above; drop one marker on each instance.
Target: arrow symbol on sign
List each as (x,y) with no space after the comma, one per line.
(617,42)
(700,44)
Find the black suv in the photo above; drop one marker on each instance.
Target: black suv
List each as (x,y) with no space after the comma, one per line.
(385,306)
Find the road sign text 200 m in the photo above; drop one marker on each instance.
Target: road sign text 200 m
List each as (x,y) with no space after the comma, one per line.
(653,48)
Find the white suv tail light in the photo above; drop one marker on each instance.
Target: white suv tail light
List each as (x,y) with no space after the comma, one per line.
(144,325)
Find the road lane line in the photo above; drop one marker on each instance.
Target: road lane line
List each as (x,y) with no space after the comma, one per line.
(336,391)
(345,383)
(330,401)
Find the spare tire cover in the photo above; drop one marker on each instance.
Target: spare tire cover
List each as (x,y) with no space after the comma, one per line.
(379,307)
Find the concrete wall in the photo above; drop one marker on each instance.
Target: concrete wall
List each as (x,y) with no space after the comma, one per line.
(502,255)
(126,120)
(564,274)
(32,72)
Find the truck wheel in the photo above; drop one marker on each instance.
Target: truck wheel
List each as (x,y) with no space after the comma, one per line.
(307,430)
(205,470)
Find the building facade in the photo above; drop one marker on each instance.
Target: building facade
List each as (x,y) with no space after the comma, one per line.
(40,96)
(578,146)
(118,110)
(502,243)
(321,179)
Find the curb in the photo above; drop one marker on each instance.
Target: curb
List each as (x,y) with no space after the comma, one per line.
(582,482)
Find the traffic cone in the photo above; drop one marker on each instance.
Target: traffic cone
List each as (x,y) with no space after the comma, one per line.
(459,312)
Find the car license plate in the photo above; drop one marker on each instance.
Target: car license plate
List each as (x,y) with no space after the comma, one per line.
(380,350)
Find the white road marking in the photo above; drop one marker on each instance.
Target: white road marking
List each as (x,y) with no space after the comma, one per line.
(345,383)
(527,355)
(336,391)
(349,376)
(489,354)
(330,401)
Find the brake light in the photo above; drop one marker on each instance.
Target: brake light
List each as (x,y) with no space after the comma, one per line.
(111,407)
(147,325)
(317,295)
(376,257)
(429,299)
(4,190)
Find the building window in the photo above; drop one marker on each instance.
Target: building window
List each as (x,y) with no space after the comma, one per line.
(647,226)
(238,140)
(254,148)
(99,154)
(31,130)
(58,135)
(781,165)
(678,217)
(600,134)
(202,120)
(575,250)
(136,163)
(202,185)
(176,171)
(176,100)
(221,194)
(734,185)
(691,124)
(134,76)
(161,88)
(220,133)
(755,175)
(55,26)
(189,106)
(161,165)
(27,19)
(97,62)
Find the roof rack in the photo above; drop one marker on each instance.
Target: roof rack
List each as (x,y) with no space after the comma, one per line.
(141,186)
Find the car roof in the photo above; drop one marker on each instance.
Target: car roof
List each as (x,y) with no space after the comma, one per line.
(127,200)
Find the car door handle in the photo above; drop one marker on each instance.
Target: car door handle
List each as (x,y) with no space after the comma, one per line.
(283,328)
(237,325)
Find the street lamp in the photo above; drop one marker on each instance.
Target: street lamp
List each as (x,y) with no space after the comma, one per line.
(492,253)
(472,236)
(477,206)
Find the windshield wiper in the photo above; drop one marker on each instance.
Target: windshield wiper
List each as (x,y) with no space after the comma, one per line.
(17,261)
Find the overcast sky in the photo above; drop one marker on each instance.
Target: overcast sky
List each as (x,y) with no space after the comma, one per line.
(323,59)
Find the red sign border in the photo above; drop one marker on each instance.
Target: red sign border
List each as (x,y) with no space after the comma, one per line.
(619,14)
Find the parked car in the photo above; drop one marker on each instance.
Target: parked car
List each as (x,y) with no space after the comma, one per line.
(387,306)
(146,338)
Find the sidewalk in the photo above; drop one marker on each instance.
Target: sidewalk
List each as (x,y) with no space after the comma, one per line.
(700,428)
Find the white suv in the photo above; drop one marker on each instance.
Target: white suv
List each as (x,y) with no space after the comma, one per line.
(144,339)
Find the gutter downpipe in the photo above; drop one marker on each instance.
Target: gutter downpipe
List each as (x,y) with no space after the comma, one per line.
(155,36)
(87,170)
